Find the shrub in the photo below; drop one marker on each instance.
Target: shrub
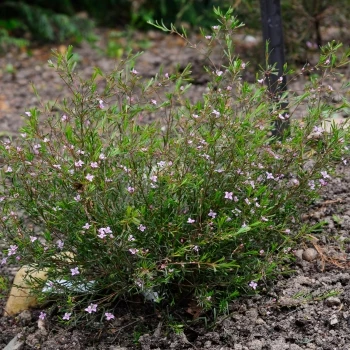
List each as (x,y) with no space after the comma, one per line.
(201,204)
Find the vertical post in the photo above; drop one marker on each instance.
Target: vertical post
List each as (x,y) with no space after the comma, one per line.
(273,35)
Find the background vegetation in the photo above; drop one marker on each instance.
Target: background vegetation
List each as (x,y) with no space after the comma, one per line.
(26,21)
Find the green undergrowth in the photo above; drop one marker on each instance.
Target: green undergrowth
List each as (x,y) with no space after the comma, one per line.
(195,208)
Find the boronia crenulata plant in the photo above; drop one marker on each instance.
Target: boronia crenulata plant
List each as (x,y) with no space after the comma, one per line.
(203,204)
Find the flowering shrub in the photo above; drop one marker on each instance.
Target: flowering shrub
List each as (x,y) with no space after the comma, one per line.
(202,203)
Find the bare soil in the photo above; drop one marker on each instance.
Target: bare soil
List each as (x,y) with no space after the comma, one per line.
(306,308)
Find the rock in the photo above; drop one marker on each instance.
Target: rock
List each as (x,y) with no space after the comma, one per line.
(310,254)
(20,298)
(14,344)
(299,253)
(333,320)
(333,301)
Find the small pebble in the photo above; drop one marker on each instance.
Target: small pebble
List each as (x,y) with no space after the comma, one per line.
(310,254)
(333,301)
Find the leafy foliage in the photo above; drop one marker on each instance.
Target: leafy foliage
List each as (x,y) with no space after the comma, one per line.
(201,205)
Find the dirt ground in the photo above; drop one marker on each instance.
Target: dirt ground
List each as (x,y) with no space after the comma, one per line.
(306,309)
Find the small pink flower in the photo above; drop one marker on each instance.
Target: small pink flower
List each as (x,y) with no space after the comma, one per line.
(243,65)
(33,238)
(86,226)
(190,221)
(228,195)
(8,170)
(134,71)
(12,250)
(142,228)
(94,165)
(89,177)
(131,238)
(57,166)
(219,73)
(75,271)
(217,113)
(166,75)
(28,114)
(42,315)
(91,308)
(67,316)
(154,178)
(64,118)
(208,37)
(100,104)
(131,189)
(79,163)
(133,251)
(109,316)
(261,81)
(77,198)
(102,156)
(154,102)
(212,214)
(325,175)
(60,244)
(253,285)
(196,248)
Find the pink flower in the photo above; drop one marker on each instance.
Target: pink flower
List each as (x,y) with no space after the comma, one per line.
(94,165)
(66,316)
(212,214)
(57,166)
(64,118)
(325,175)
(243,65)
(102,233)
(109,316)
(131,189)
(190,221)
(91,308)
(75,271)
(196,248)
(219,73)
(253,285)
(86,226)
(131,238)
(208,37)
(134,71)
(28,114)
(33,239)
(89,177)
(133,251)
(79,163)
(42,315)
(154,102)
(261,81)
(77,198)
(154,178)
(60,244)
(217,113)
(102,156)
(101,105)
(142,228)
(12,250)
(8,170)
(228,195)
